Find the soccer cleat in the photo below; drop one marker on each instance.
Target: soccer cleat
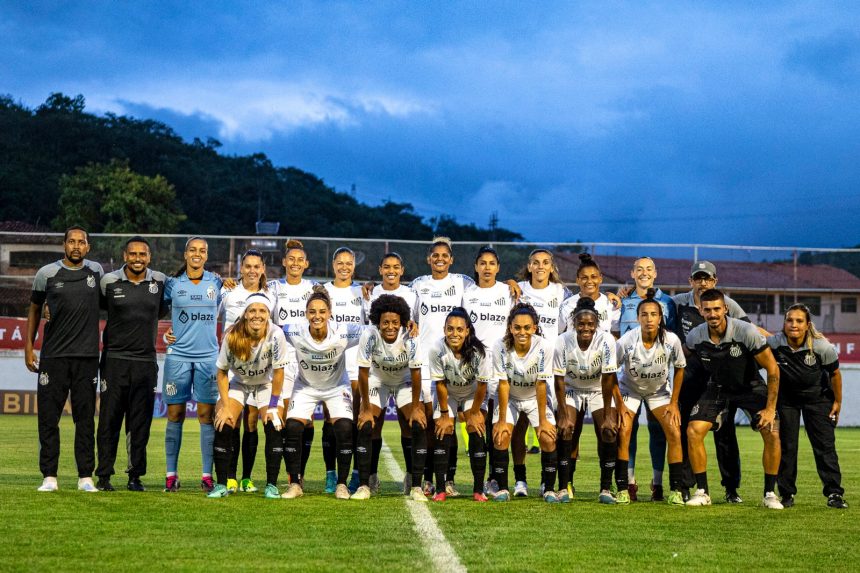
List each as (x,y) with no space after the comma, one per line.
(478,496)
(373,482)
(551,497)
(294,490)
(171,483)
(606,497)
(685,494)
(441,496)
(134,484)
(521,489)
(271,492)
(503,495)
(330,481)
(563,496)
(104,484)
(571,490)
(207,484)
(220,490)
(534,450)
(657,492)
(247,486)
(491,487)
(48,484)
(623,497)
(354,482)
(417,494)
(770,501)
(86,484)
(407,484)
(675,498)
(450,490)
(363,492)
(633,490)
(341,491)
(733,497)
(699,498)
(836,501)
(429,488)
(788,501)
(232,485)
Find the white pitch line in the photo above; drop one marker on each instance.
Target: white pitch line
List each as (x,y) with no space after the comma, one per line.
(435,545)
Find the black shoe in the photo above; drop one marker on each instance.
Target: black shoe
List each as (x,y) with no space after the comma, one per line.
(685,494)
(135,485)
(657,492)
(733,497)
(787,501)
(534,450)
(104,484)
(835,501)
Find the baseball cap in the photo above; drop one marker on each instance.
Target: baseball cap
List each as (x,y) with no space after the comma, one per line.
(703,267)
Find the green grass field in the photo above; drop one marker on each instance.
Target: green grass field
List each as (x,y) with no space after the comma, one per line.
(154,531)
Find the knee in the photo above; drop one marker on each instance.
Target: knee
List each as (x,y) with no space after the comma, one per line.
(343,430)
(546,444)
(694,434)
(294,426)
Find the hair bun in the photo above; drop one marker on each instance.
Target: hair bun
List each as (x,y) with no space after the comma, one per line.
(585,257)
(651,293)
(294,244)
(584,303)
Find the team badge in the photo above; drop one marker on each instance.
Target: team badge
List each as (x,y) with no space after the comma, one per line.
(170,389)
(735,351)
(153,288)
(211,294)
(103,386)
(95,380)
(809,359)
(695,410)
(43,379)
(91,281)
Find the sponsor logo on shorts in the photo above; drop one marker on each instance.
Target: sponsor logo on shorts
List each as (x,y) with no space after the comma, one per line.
(43,379)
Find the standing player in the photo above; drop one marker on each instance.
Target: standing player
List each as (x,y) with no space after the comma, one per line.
(589,278)
(69,362)
(134,298)
(189,368)
(725,345)
(810,384)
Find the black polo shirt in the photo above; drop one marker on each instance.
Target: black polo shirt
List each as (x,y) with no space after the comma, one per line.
(730,363)
(133,311)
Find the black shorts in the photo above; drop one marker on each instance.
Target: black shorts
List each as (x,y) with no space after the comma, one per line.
(715,403)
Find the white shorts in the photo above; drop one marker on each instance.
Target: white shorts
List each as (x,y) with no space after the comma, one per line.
(428,387)
(528,407)
(352,363)
(256,396)
(305,398)
(380,393)
(455,405)
(633,398)
(581,399)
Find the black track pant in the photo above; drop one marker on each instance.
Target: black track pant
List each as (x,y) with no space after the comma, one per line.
(59,378)
(127,391)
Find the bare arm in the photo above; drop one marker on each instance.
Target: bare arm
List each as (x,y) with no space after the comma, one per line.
(766,360)
(836,385)
(34,315)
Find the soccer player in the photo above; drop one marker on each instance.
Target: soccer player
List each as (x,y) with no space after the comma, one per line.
(252,279)
(389,364)
(189,368)
(646,355)
(254,352)
(69,361)
(724,345)
(584,360)
(320,344)
(134,299)
(810,384)
(522,362)
(703,276)
(461,369)
(607,305)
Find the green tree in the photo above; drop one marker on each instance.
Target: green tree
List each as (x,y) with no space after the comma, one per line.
(111,198)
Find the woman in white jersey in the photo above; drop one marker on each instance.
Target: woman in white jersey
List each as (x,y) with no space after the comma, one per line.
(320,345)
(646,355)
(522,363)
(589,278)
(250,373)
(389,364)
(461,370)
(584,360)
(252,279)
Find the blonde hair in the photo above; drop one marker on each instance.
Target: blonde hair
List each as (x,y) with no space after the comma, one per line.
(239,340)
(437,241)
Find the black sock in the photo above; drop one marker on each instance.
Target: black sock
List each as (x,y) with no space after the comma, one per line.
(500,468)
(343,443)
(235,448)
(565,473)
(606,452)
(293,449)
(453,450)
(222,449)
(419,453)
(363,453)
(406,446)
(431,445)
(572,467)
(440,461)
(621,474)
(328,447)
(274,453)
(769,482)
(307,444)
(478,461)
(702,481)
(376,449)
(676,475)
(519,472)
(250,441)
(549,467)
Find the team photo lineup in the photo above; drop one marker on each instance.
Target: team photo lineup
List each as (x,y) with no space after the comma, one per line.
(497,362)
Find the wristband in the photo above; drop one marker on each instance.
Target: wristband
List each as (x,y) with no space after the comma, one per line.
(274,401)
(443,411)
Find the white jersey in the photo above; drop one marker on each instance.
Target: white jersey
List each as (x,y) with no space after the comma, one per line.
(434,299)
(582,369)
(461,379)
(488,308)
(547,302)
(266,357)
(389,364)
(606,315)
(233,303)
(346,303)
(645,370)
(402,291)
(322,365)
(523,373)
(290,300)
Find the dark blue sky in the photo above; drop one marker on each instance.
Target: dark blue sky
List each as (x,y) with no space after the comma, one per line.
(699,122)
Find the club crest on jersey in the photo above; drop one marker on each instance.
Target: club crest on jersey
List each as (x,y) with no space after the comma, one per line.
(735,351)
(452,290)
(43,379)
(91,281)
(809,359)
(211,294)
(501,301)
(153,288)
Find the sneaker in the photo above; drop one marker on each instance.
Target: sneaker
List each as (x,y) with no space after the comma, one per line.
(623,497)
(207,484)
(354,482)
(675,498)
(363,492)
(503,495)
(441,496)
(788,501)
(836,501)
(232,485)
(478,496)
(450,490)
(219,490)
(521,489)
(134,485)
(247,486)
(373,483)
(571,490)
(770,501)
(407,484)
(104,484)
(657,492)
(491,487)
(563,496)
(48,484)
(417,494)
(330,481)
(550,497)
(606,497)
(86,484)
(271,491)
(293,491)
(341,491)
(633,489)
(429,488)
(699,498)
(733,497)
(171,483)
